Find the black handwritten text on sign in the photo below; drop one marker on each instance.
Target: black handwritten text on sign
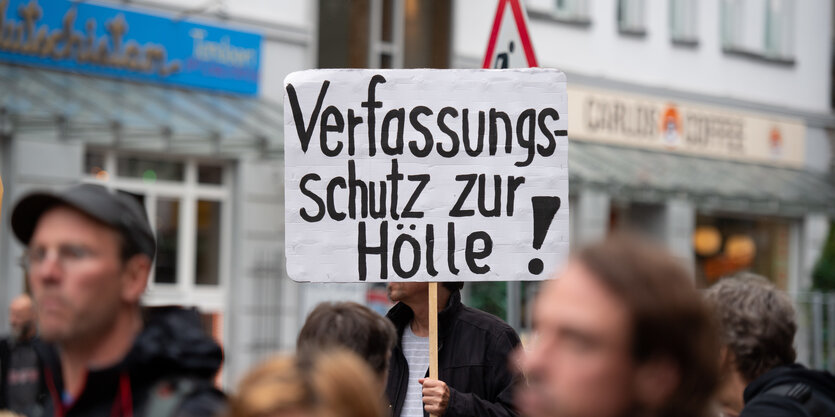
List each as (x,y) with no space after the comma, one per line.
(425,175)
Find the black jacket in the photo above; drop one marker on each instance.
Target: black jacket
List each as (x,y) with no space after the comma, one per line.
(172,350)
(473,360)
(788,391)
(6,347)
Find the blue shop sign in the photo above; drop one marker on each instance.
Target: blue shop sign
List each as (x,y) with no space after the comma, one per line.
(118,42)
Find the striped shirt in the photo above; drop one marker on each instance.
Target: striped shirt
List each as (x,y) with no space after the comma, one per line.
(416,350)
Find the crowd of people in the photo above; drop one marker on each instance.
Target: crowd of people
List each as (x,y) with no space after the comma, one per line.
(621,331)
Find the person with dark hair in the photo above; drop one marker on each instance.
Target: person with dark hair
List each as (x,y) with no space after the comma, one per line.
(453,286)
(622,331)
(88,255)
(351,326)
(760,377)
(475,378)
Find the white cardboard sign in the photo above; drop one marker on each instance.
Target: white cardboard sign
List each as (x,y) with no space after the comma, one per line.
(425,175)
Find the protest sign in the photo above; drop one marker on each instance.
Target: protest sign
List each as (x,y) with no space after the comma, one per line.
(425,175)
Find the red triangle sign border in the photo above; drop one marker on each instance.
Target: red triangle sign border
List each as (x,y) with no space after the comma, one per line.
(521,26)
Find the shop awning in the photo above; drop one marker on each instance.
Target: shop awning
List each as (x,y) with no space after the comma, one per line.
(35,102)
(48,104)
(712,184)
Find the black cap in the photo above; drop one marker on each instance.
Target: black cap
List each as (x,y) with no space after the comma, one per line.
(117,209)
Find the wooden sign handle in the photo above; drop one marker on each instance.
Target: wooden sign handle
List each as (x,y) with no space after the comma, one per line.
(433,331)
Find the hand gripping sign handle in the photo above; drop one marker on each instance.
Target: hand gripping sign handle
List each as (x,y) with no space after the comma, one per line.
(433,332)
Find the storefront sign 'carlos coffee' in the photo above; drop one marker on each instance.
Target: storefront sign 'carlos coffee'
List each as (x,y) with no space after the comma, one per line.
(651,122)
(425,175)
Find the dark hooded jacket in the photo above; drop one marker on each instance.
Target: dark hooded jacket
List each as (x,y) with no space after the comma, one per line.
(474,349)
(32,402)
(789,391)
(172,351)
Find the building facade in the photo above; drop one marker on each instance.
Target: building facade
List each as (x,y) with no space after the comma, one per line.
(705,124)
(180,104)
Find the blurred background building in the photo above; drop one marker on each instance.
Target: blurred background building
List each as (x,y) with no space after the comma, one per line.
(705,124)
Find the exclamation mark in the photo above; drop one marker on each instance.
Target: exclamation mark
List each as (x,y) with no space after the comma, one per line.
(544,210)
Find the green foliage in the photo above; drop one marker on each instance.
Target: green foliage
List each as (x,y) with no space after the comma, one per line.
(489,296)
(823,277)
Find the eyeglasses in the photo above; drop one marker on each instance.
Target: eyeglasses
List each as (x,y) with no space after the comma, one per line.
(69,256)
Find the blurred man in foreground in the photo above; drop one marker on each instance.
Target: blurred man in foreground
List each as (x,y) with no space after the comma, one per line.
(473,356)
(22,388)
(350,326)
(88,256)
(621,332)
(757,327)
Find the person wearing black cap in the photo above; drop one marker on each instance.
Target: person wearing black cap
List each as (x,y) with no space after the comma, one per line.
(89,253)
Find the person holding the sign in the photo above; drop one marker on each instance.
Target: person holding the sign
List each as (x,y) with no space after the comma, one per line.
(474,349)
(622,331)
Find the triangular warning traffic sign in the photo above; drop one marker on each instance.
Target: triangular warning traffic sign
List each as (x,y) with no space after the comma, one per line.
(510,45)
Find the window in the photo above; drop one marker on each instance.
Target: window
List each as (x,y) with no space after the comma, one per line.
(343,33)
(384,34)
(631,17)
(725,245)
(94,164)
(208,243)
(759,28)
(572,10)
(210,174)
(684,21)
(167,225)
(187,202)
(426,38)
(150,170)
(779,28)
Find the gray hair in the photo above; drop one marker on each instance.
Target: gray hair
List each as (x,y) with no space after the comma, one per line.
(756,322)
